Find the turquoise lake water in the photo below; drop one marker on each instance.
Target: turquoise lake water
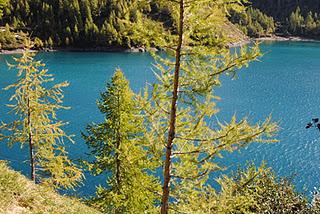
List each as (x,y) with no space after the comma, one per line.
(285,84)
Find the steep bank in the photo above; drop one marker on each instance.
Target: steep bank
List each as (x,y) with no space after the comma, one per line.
(19,195)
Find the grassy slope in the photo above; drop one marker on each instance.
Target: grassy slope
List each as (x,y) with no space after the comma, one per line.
(19,195)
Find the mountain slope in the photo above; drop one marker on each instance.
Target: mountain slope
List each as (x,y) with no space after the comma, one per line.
(281,9)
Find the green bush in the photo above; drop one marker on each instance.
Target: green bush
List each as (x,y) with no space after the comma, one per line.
(258,190)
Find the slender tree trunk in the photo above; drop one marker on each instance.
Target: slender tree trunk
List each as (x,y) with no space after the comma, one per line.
(118,178)
(31,149)
(173,115)
(118,162)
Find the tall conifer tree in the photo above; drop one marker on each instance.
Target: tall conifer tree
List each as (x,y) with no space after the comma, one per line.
(119,149)
(180,106)
(37,125)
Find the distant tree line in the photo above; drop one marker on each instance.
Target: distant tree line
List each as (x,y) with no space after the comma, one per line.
(293,17)
(253,22)
(300,22)
(304,24)
(111,23)
(78,22)
(280,10)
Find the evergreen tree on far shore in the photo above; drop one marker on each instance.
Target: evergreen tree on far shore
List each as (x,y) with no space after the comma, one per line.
(120,151)
(85,23)
(310,23)
(253,22)
(296,21)
(2,5)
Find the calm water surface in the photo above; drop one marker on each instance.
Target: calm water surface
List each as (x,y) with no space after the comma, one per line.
(285,84)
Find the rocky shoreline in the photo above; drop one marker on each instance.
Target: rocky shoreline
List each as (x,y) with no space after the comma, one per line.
(289,38)
(273,39)
(14,51)
(142,49)
(70,49)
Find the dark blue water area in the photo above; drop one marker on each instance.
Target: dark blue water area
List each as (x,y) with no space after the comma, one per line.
(284,83)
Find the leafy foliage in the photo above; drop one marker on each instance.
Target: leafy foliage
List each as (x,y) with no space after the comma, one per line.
(250,190)
(304,25)
(280,10)
(120,151)
(2,5)
(297,18)
(10,40)
(37,126)
(258,190)
(254,23)
(76,22)
(178,108)
(89,24)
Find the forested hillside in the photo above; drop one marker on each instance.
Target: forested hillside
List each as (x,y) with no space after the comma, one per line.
(114,23)
(283,17)
(77,23)
(86,23)
(280,10)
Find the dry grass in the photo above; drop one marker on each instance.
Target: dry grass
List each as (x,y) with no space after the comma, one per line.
(19,195)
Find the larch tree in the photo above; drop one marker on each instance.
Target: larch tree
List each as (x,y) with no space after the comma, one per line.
(35,104)
(2,5)
(296,20)
(120,149)
(180,109)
